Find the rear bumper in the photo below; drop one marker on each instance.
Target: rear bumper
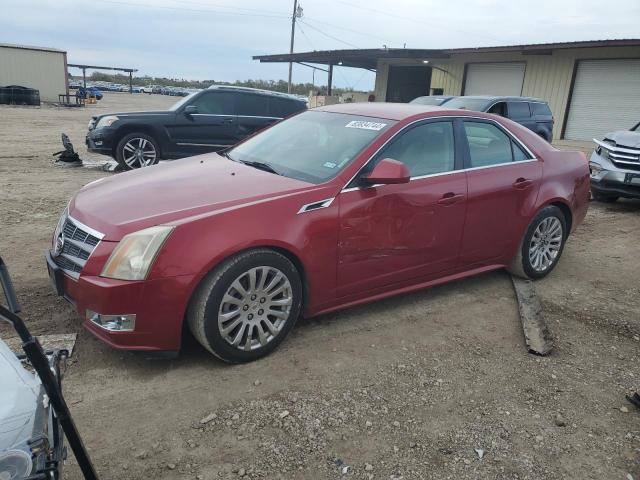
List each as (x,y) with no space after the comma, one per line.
(159,306)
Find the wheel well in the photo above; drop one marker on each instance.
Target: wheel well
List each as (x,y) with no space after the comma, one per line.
(566,211)
(127,129)
(299,267)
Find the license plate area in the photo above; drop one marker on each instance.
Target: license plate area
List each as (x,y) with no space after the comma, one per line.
(632,179)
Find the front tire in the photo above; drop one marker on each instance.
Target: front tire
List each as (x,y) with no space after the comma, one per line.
(246,306)
(137,150)
(542,245)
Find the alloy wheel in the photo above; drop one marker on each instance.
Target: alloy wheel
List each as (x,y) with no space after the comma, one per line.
(545,244)
(255,308)
(139,152)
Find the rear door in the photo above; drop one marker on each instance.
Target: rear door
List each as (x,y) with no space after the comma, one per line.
(520,112)
(399,234)
(212,127)
(503,182)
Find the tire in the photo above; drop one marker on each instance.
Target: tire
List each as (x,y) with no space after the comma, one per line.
(600,197)
(128,147)
(235,326)
(527,264)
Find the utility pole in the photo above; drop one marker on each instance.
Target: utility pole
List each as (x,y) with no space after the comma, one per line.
(297,13)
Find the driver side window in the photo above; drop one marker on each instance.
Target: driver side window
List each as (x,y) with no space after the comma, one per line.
(215,103)
(425,149)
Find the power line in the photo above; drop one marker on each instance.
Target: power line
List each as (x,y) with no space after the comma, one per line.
(305,35)
(348,29)
(268,12)
(181,9)
(328,35)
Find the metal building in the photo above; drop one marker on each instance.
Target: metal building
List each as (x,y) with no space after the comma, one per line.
(36,67)
(593,87)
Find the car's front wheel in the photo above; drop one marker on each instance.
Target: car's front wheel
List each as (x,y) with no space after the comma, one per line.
(137,150)
(542,244)
(246,306)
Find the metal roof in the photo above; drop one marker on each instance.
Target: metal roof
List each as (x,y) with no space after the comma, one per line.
(30,47)
(368,58)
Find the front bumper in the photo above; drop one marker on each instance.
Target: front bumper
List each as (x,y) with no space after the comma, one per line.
(613,180)
(101,140)
(158,305)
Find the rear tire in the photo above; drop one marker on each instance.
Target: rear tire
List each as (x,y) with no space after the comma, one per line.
(137,150)
(542,245)
(600,197)
(246,306)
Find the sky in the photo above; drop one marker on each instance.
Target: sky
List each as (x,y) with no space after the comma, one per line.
(202,39)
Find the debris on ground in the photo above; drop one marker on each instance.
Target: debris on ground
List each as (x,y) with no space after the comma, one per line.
(536,333)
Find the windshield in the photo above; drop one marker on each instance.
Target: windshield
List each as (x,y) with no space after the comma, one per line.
(428,100)
(181,102)
(475,104)
(312,146)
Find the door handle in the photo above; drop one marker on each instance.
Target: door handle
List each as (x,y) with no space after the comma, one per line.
(450,198)
(227,121)
(522,183)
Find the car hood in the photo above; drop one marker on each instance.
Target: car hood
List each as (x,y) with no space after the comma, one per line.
(625,138)
(19,392)
(173,191)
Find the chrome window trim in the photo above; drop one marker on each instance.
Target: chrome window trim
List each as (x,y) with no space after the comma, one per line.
(233,115)
(500,127)
(321,204)
(86,228)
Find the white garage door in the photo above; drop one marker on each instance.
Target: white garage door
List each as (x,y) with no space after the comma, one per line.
(494,79)
(606,97)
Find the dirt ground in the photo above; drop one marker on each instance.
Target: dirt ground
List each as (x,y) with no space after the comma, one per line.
(436,384)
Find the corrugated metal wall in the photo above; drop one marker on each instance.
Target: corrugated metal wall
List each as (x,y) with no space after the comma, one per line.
(546,76)
(39,69)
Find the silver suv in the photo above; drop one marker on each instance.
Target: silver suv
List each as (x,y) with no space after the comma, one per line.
(615,166)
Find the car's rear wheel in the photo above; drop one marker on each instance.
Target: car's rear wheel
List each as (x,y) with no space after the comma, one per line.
(246,306)
(137,150)
(542,244)
(600,197)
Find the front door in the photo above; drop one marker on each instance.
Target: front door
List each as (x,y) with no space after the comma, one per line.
(503,183)
(391,234)
(212,127)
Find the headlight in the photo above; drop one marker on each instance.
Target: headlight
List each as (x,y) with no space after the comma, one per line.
(106,121)
(134,255)
(15,465)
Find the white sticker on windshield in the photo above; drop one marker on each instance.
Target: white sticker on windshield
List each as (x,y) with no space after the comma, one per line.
(365,125)
(329,165)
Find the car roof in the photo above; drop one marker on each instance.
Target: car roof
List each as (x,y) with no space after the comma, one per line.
(255,90)
(394,111)
(502,98)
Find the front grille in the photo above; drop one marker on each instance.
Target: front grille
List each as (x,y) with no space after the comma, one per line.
(622,156)
(75,244)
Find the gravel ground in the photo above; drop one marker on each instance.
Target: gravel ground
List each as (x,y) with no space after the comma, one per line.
(436,384)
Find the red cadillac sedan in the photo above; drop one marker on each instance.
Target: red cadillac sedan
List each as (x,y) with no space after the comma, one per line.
(331,208)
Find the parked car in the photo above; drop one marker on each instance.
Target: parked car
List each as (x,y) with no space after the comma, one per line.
(615,166)
(90,91)
(333,207)
(31,442)
(434,100)
(210,120)
(147,89)
(533,113)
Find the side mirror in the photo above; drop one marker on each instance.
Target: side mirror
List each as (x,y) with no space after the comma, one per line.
(389,171)
(190,109)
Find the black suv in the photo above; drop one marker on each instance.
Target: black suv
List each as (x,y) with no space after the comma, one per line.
(533,113)
(206,121)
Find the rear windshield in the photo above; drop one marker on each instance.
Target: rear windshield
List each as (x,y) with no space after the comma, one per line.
(475,104)
(540,109)
(428,101)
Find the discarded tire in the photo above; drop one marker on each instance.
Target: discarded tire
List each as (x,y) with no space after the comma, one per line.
(17,95)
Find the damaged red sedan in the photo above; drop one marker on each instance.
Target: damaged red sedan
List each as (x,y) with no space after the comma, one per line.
(331,208)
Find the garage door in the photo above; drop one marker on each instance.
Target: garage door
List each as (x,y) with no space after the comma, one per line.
(494,79)
(606,97)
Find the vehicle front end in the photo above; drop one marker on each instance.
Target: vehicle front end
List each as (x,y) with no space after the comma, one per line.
(31,440)
(101,136)
(615,166)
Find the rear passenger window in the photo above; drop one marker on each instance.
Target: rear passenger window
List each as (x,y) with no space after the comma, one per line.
(281,107)
(251,105)
(214,103)
(425,149)
(541,109)
(519,110)
(488,145)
